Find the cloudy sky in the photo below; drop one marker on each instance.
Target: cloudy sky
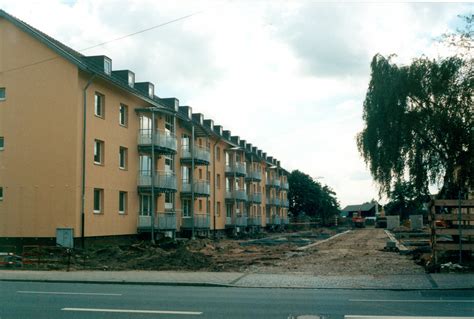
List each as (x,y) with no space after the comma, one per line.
(287,76)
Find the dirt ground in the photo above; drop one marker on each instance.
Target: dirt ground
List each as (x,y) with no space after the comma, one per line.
(359,252)
(355,253)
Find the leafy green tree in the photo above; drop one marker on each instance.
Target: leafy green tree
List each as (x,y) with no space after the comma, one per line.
(419,124)
(404,201)
(309,196)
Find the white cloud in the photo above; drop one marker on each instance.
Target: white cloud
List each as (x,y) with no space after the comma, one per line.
(289,77)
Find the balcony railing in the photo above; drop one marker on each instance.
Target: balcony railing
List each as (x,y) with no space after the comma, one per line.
(237,220)
(255,197)
(273,201)
(201,154)
(238,169)
(273,182)
(255,221)
(285,186)
(163,141)
(163,221)
(239,195)
(200,221)
(275,220)
(285,203)
(200,188)
(163,181)
(255,175)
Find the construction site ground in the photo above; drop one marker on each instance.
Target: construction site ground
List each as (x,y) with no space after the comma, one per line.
(357,252)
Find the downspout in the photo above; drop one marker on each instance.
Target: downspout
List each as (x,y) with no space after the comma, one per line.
(192,183)
(83,186)
(153,174)
(214,186)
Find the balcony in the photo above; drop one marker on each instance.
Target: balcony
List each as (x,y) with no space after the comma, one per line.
(201,188)
(273,182)
(163,142)
(201,221)
(285,186)
(254,175)
(255,198)
(163,221)
(275,220)
(163,182)
(285,203)
(274,201)
(255,221)
(238,195)
(202,155)
(236,221)
(237,169)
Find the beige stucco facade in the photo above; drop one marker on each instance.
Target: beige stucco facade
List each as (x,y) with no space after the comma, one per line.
(41,123)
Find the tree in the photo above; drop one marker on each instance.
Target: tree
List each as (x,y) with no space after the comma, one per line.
(418,124)
(404,200)
(307,195)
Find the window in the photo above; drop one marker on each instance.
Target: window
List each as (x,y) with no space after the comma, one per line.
(218,153)
(208,176)
(169,124)
(3,94)
(200,205)
(1,193)
(218,209)
(107,66)
(186,206)
(200,174)
(123,157)
(123,115)
(151,90)
(218,181)
(228,209)
(145,205)
(122,202)
(169,200)
(98,152)
(131,79)
(98,200)
(2,142)
(99,105)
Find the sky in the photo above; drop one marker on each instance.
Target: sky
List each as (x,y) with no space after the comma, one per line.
(290,77)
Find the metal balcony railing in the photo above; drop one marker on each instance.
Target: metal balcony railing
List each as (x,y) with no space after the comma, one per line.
(255,197)
(163,140)
(285,203)
(285,186)
(275,220)
(201,154)
(255,175)
(237,220)
(238,169)
(165,181)
(200,187)
(238,195)
(255,220)
(201,221)
(273,182)
(273,201)
(163,221)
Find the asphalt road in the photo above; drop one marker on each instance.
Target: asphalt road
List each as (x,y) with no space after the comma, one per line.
(70,300)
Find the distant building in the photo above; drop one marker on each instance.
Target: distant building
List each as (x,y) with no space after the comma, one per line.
(366,209)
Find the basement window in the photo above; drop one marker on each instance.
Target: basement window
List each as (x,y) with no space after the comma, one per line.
(2,143)
(3,96)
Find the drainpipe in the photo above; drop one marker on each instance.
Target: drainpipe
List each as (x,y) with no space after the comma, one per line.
(153,174)
(214,185)
(192,182)
(83,190)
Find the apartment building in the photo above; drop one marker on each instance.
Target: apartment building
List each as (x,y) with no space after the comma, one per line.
(87,148)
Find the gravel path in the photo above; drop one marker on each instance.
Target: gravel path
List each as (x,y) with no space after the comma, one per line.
(359,252)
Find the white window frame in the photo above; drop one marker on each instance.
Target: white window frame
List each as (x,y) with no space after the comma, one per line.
(100,191)
(123,121)
(145,198)
(99,105)
(101,151)
(107,66)
(123,196)
(186,207)
(123,156)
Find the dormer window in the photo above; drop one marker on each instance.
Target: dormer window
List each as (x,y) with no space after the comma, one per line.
(131,79)
(151,90)
(107,66)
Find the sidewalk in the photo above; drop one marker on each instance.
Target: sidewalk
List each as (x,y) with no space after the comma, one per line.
(234,279)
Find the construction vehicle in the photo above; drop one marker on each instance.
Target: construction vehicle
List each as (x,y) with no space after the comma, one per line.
(357,220)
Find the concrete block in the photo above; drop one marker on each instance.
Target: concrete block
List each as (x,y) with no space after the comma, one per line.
(416,221)
(393,222)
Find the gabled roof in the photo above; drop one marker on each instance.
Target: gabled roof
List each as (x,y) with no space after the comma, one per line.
(355,208)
